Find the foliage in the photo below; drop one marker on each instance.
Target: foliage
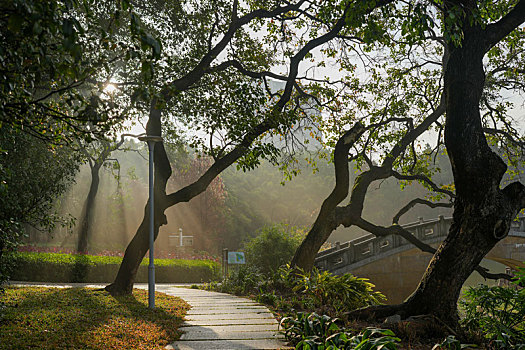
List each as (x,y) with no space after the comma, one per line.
(342,293)
(49,267)
(498,313)
(242,281)
(273,247)
(312,331)
(54,60)
(308,326)
(451,343)
(52,318)
(159,254)
(51,49)
(289,291)
(504,342)
(32,175)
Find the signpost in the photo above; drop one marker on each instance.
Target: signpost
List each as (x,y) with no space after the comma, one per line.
(180,240)
(234,258)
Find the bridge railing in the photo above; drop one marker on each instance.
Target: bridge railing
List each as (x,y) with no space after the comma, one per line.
(367,246)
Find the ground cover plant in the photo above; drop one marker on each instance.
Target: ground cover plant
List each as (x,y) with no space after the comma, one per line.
(55,267)
(288,292)
(312,331)
(79,318)
(314,311)
(497,313)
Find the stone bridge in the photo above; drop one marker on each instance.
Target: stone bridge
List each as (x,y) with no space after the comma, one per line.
(395,266)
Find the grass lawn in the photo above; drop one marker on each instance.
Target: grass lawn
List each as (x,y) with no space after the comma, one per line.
(81,318)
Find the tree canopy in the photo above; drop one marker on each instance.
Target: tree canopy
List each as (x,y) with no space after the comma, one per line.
(377,79)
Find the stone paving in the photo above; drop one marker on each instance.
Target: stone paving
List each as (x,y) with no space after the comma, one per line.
(222,321)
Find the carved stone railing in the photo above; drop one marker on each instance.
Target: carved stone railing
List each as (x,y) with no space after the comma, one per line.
(366,249)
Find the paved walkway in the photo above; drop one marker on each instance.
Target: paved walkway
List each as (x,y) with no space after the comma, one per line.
(223,321)
(216,321)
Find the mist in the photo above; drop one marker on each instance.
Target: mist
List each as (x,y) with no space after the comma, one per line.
(231,211)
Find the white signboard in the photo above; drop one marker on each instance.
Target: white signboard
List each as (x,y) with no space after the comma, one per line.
(180,240)
(236,258)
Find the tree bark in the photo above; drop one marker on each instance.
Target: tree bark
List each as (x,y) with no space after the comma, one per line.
(139,245)
(88,210)
(325,223)
(482,211)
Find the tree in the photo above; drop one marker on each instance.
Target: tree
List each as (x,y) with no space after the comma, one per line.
(251,118)
(41,66)
(33,174)
(483,210)
(96,158)
(53,72)
(49,61)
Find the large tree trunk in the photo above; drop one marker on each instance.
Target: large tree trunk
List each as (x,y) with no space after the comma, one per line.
(139,245)
(482,211)
(88,210)
(325,223)
(123,284)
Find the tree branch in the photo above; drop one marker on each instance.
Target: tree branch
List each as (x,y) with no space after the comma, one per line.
(380,231)
(495,32)
(425,179)
(413,202)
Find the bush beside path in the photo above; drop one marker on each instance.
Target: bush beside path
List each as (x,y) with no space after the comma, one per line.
(66,268)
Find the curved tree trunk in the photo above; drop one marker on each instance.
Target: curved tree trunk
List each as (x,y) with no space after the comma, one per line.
(325,223)
(136,250)
(139,245)
(88,210)
(482,212)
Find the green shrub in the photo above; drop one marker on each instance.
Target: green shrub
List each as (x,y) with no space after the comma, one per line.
(312,331)
(451,343)
(311,326)
(341,293)
(273,247)
(495,311)
(242,281)
(290,291)
(504,342)
(65,268)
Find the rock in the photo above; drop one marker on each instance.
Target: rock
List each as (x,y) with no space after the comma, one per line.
(393,319)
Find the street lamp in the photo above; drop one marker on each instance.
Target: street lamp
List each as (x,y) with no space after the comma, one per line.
(151,140)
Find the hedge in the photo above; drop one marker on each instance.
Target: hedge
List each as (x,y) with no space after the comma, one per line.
(66,268)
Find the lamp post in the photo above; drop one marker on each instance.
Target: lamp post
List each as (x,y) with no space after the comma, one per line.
(151,140)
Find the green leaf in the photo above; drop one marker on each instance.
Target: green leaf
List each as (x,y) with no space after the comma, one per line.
(15,23)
